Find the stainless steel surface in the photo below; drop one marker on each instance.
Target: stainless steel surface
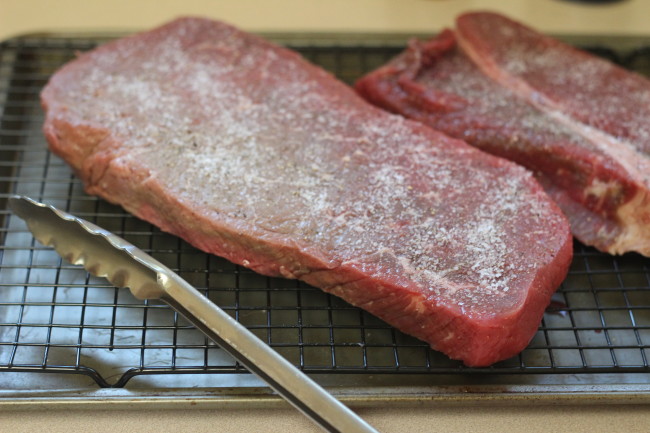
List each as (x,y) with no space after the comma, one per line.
(66,333)
(104,254)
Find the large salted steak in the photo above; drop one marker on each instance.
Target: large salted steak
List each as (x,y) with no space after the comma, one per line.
(249,152)
(568,116)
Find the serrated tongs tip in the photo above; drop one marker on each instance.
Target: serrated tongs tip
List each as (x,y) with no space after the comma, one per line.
(100,252)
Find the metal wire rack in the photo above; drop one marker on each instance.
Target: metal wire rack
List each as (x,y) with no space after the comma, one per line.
(55,318)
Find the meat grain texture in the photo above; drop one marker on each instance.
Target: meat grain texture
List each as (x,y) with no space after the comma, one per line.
(582,124)
(249,152)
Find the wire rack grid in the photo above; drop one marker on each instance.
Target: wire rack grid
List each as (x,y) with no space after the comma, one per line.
(55,318)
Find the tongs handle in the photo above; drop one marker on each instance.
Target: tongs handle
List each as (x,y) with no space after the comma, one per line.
(302,392)
(106,255)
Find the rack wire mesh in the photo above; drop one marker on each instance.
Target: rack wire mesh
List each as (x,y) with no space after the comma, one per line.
(56,318)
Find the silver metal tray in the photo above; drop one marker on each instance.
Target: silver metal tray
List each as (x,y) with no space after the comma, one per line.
(68,339)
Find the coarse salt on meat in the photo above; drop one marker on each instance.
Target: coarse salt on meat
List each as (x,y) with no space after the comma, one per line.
(523,96)
(249,152)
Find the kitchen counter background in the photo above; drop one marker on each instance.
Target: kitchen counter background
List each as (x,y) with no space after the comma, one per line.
(630,17)
(574,419)
(627,17)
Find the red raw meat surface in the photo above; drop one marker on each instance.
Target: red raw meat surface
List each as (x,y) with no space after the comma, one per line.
(249,152)
(599,181)
(587,88)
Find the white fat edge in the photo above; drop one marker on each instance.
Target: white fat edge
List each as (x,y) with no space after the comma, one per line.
(635,214)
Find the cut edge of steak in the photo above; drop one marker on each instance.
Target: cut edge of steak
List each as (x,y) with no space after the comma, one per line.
(125,174)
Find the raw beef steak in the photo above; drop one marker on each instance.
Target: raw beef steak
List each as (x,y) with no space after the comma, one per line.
(249,152)
(601,181)
(560,77)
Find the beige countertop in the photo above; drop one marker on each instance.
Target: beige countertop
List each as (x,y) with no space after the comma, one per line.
(573,419)
(422,16)
(630,17)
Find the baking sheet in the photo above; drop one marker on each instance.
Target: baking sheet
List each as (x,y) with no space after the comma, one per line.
(63,330)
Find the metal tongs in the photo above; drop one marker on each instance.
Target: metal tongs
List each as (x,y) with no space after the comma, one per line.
(106,255)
